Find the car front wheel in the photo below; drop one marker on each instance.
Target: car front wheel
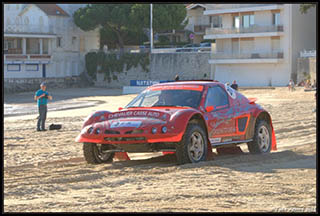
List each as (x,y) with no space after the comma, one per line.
(95,153)
(193,146)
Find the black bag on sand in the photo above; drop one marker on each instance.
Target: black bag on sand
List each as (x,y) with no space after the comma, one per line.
(55,126)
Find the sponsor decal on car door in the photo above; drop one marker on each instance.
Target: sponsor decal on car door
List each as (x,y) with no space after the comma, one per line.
(220,120)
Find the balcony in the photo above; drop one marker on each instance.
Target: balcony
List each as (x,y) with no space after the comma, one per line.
(233,6)
(250,57)
(16,57)
(238,8)
(18,28)
(252,31)
(26,49)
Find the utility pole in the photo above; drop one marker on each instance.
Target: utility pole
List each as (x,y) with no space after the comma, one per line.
(151,31)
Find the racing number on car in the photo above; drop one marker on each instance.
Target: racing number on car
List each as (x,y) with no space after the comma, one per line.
(230,91)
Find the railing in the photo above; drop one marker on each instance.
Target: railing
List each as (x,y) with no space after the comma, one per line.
(250,55)
(305,54)
(31,28)
(28,28)
(12,51)
(27,56)
(251,29)
(234,6)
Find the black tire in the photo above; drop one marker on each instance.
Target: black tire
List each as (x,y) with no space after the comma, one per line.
(262,144)
(93,155)
(184,153)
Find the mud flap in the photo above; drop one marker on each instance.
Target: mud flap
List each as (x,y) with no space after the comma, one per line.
(121,156)
(167,152)
(209,152)
(273,141)
(229,150)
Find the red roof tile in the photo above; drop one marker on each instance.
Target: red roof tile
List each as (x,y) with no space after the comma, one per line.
(52,9)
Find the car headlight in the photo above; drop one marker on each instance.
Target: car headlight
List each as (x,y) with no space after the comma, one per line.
(90,130)
(164,129)
(154,130)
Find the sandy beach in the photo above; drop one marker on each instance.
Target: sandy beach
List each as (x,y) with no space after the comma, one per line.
(46,172)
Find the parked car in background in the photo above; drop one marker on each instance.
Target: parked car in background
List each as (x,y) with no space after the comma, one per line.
(189,48)
(195,47)
(206,46)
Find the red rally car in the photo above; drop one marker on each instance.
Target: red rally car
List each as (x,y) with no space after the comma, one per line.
(187,118)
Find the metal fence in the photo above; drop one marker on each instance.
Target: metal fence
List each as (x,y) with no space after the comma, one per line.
(251,29)
(250,55)
(235,6)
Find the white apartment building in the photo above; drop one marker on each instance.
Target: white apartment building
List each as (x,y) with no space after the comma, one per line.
(258,44)
(41,40)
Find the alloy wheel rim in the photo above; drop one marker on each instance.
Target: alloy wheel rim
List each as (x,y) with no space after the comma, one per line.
(264,138)
(196,146)
(99,152)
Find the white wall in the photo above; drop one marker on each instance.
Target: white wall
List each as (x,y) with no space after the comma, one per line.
(227,21)
(253,74)
(303,32)
(263,18)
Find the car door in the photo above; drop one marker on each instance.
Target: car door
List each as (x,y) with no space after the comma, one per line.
(220,121)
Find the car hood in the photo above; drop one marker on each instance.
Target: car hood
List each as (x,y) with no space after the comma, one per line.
(147,114)
(138,118)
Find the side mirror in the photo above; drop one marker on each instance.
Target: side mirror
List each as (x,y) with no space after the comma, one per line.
(209,108)
(120,108)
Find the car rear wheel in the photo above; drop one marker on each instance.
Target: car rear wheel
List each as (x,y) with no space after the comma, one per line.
(262,138)
(193,146)
(94,153)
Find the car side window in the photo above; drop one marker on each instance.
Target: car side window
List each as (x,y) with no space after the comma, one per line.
(217,98)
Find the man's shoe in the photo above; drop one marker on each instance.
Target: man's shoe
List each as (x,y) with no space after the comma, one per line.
(44,130)
(38,129)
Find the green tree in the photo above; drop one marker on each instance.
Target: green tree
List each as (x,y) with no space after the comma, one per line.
(124,24)
(305,7)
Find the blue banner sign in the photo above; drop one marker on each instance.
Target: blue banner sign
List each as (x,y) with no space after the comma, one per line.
(146,82)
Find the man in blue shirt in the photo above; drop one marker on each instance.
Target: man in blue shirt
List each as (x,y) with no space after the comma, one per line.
(42,97)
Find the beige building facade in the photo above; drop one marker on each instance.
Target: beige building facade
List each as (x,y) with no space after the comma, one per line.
(258,44)
(42,41)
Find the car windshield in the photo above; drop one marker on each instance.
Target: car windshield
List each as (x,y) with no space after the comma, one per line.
(165,97)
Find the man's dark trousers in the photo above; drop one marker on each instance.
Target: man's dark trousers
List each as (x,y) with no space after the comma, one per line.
(42,116)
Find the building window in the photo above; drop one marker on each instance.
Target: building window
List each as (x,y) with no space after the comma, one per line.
(216,21)
(275,44)
(33,46)
(74,39)
(32,67)
(59,41)
(236,22)
(41,20)
(82,44)
(276,19)
(26,20)
(13,67)
(247,21)
(12,46)
(45,46)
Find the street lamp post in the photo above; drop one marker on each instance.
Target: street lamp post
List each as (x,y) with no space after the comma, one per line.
(151,31)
